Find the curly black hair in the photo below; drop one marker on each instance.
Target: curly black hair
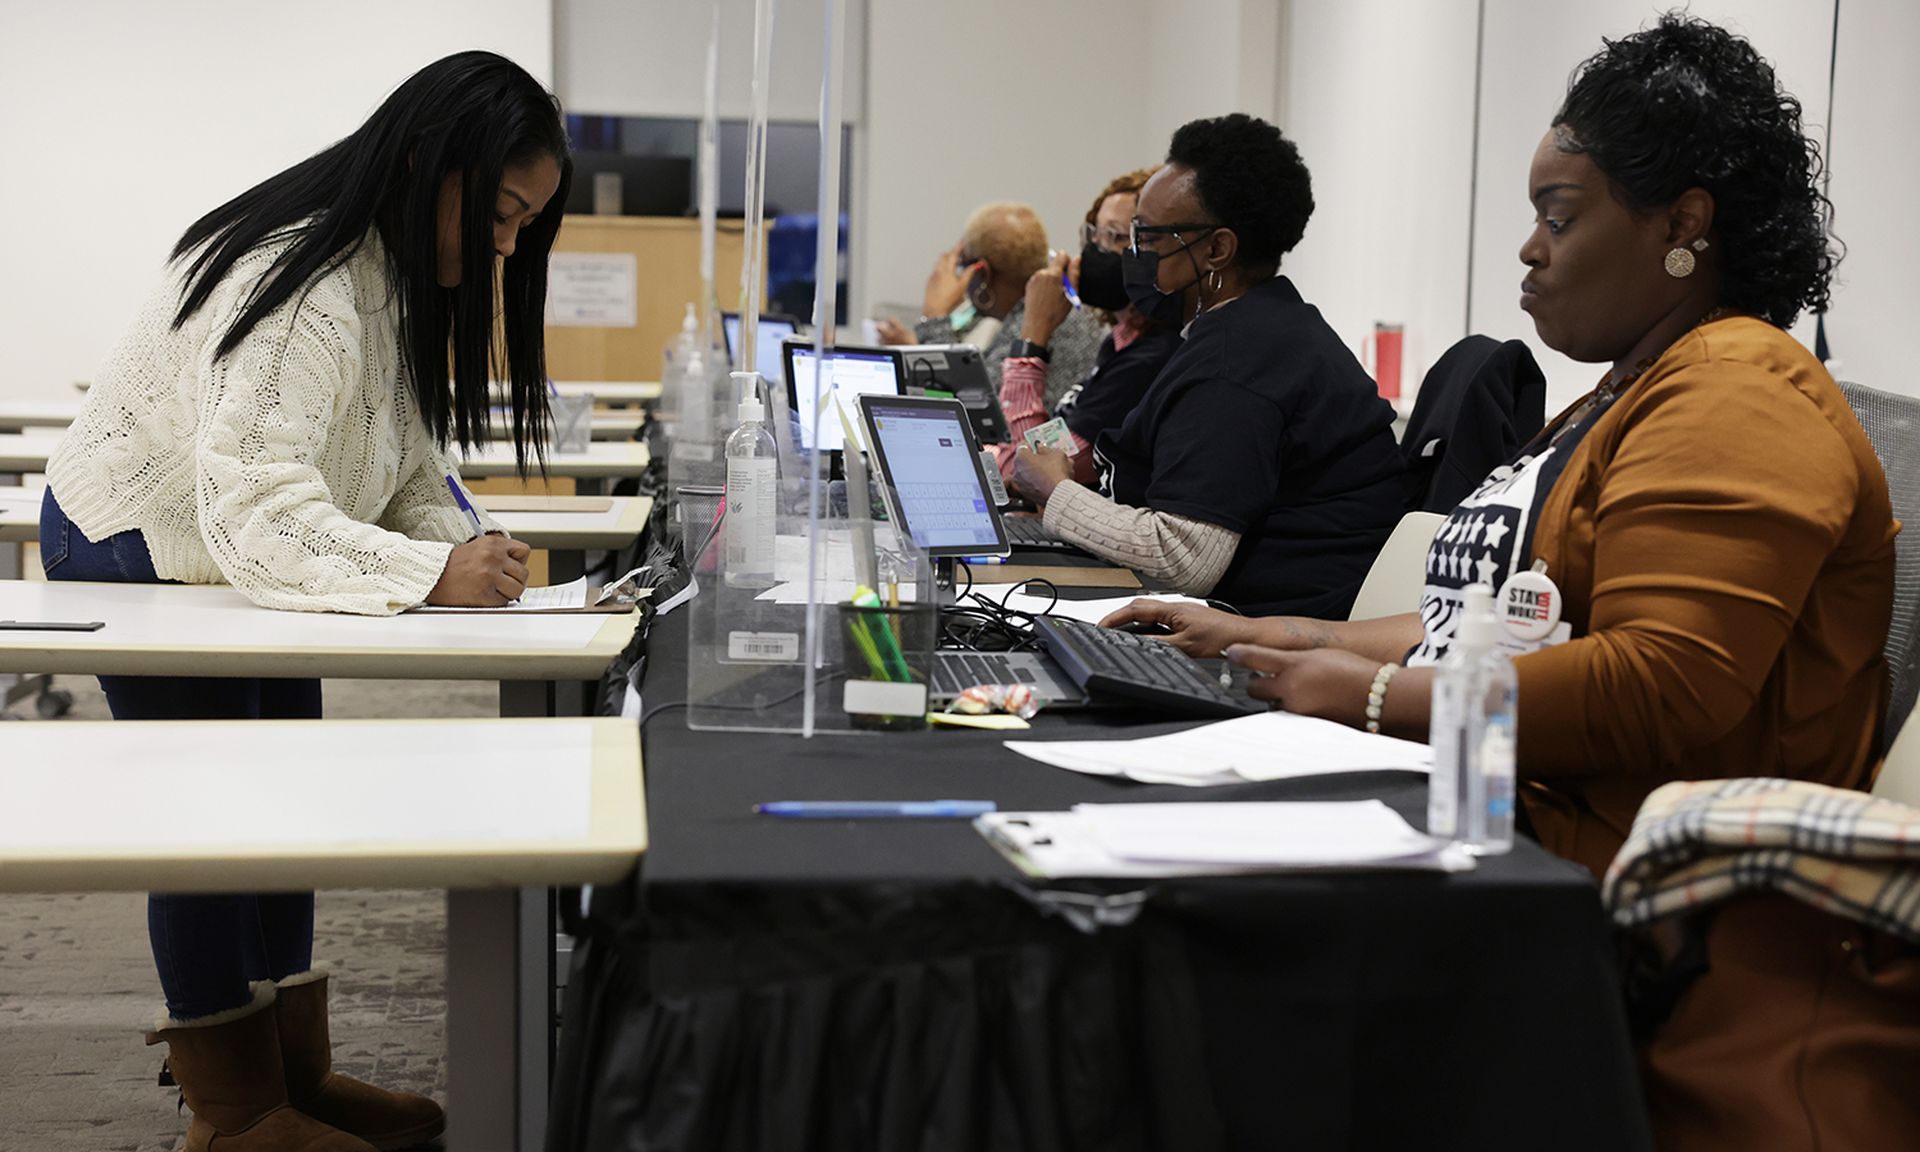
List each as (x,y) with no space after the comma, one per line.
(1687,104)
(1251,179)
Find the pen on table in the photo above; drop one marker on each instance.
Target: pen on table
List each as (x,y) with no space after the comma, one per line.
(983,559)
(460,498)
(860,809)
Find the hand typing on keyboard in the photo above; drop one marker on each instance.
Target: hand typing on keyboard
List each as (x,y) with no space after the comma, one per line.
(1325,682)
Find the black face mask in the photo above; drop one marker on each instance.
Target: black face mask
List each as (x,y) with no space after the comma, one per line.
(1102,284)
(1140,272)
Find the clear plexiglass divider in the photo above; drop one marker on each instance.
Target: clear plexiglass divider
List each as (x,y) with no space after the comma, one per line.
(834,635)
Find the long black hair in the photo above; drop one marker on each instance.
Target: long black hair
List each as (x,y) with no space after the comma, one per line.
(474,113)
(1687,104)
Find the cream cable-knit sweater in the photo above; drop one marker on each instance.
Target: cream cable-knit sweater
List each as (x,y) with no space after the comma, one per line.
(295,468)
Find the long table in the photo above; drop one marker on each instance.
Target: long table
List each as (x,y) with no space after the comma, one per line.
(213,630)
(603,460)
(821,984)
(16,415)
(489,807)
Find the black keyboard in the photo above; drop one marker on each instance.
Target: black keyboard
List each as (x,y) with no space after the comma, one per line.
(1107,663)
(1030,532)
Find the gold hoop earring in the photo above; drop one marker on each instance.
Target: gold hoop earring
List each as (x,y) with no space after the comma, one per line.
(1680,262)
(1215,280)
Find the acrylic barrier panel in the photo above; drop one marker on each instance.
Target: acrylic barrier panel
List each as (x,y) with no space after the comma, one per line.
(703,412)
(771,648)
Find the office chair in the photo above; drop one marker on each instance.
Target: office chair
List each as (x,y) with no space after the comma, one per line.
(1892,424)
(1399,572)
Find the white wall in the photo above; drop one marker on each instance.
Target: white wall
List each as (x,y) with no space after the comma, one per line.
(998,102)
(1379,97)
(1531,49)
(1876,171)
(1035,100)
(649,57)
(122,121)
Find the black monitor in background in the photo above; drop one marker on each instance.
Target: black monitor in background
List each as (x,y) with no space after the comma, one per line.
(649,185)
(775,330)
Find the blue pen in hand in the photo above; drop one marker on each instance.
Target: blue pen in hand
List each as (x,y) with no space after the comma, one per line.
(460,498)
(869,809)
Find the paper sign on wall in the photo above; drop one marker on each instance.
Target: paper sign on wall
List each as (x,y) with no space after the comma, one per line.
(591,289)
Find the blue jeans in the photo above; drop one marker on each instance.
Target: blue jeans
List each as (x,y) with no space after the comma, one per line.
(206,947)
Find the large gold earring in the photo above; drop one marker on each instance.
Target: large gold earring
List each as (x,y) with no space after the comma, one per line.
(1680,262)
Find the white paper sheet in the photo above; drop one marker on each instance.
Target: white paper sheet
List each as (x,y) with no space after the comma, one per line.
(1156,840)
(1266,746)
(1301,834)
(592,289)
(549,598)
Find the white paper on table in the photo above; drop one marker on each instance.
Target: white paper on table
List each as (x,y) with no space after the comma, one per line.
(1264,746)
(1090,611)
(1164,840)
(551,598)
(1284,834)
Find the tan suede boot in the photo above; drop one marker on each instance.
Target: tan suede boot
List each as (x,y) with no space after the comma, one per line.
(387,1120)
(228,1068)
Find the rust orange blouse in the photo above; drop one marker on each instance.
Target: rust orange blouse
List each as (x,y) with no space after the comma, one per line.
(1723,542)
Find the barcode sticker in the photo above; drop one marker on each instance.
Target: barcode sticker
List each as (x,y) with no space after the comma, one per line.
(767,647)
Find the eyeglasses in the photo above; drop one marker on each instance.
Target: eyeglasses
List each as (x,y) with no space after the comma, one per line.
(1107,239)
(1135,230)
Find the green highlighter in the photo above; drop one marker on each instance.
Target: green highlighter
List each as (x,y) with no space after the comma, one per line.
(879,634)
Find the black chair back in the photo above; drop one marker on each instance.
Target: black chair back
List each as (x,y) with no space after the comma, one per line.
(1477,405)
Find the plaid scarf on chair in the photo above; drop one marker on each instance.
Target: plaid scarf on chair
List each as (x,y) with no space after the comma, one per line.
(1696,843)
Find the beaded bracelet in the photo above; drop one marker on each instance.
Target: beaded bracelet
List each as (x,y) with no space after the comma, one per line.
(1377,695)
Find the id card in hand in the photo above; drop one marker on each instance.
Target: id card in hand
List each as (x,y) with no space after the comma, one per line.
(1052,434)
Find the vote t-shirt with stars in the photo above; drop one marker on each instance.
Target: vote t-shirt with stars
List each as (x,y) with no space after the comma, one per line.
(1489,535)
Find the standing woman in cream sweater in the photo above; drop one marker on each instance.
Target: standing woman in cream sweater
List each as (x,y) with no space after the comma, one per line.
(278,418)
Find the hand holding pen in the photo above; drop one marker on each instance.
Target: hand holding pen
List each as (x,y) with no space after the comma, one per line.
(1050,300)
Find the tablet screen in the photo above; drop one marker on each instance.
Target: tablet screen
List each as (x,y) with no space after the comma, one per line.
(851,374)
(924,452)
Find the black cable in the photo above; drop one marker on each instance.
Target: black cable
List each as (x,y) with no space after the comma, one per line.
(650,713)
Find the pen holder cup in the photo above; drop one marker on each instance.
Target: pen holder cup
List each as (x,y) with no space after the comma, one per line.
(572,422)
(887,657)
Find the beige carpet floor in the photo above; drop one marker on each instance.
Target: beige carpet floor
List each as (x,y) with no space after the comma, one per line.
(77,983)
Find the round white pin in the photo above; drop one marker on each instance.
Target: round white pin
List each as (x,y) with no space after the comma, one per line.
(1529,604)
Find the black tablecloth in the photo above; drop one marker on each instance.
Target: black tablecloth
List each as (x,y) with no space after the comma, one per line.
(840,985)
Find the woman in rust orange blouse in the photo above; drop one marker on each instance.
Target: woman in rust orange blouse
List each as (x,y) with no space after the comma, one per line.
(1717,524)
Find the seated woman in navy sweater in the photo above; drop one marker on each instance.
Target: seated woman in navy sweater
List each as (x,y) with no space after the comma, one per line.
(1260,467)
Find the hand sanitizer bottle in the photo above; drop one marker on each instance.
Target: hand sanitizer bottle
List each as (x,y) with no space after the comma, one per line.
(1497,693)
(753,477)
(1456,792)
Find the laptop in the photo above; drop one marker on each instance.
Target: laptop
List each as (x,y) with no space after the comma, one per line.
(959,371)
(774,331)
(935,486)
(852,372)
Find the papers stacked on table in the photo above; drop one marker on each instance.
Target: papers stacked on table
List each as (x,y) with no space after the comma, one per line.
(1266,746)
(1201,839)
